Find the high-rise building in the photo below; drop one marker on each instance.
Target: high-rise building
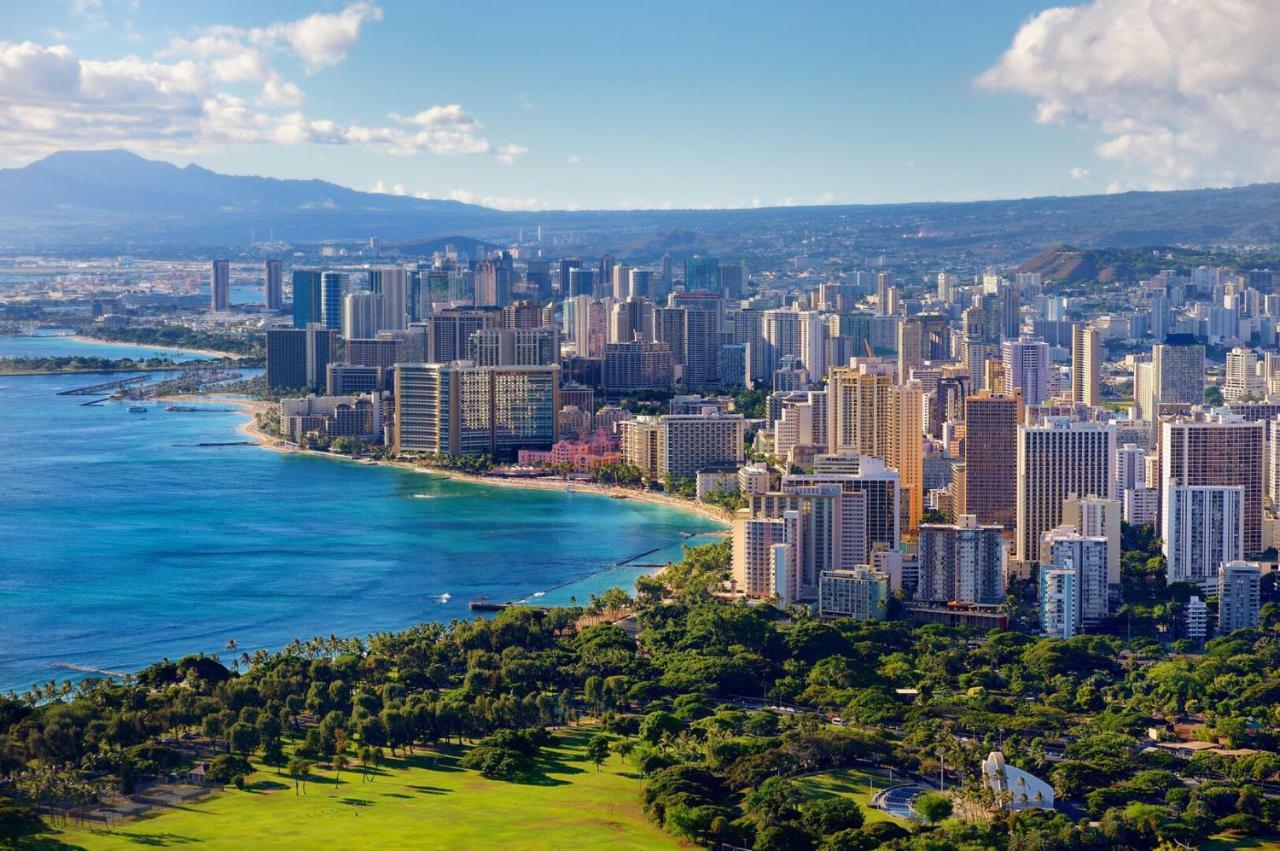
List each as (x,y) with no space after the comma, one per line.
(449,333)
(637,365)
(1026,369)
(582,282)
(860,594)
(394,285)
(869,414)
(1085,595)
(684,443)
(1086,365)
(362,315)
(1177,371)
(604,275)
(1202,527)
(1059,603)
(297,357)
(1056,459)
(910,337)
(962,563)
(306,297)
(220,286)
(462,409)
(701,340)
(346,379)
(702,273)
(799,334)
(567,265)
(1243,382)
(514,347)
(991,458)
(383,352)
(947,284)
(333,285)
(1221,451)
(631,319)
(1239,596)
(1097,517)
(273,285)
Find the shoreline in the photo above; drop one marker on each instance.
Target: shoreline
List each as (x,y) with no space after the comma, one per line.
(249,428)
(94,341)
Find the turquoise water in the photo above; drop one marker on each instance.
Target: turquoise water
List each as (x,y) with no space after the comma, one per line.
(56,346)
(122,542)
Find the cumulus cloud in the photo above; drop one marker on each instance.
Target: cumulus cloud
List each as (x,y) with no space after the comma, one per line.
(1079,173)
(573,159)
(321,39)
(498,202)
(1182,94)
(215,86)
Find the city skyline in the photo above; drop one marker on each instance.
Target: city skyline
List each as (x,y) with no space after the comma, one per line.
(576,107)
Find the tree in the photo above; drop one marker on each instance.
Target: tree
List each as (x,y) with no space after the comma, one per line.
(933,806)
(772,802)
(832,815)
(299,769)
(598,749)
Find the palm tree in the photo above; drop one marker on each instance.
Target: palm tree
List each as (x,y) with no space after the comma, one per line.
(299,768)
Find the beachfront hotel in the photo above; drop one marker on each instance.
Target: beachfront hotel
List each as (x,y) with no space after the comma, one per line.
(460,408)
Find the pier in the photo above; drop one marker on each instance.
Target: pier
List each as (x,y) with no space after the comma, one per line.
(107,387)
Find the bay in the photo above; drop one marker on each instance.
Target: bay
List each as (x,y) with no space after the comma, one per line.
(122,541)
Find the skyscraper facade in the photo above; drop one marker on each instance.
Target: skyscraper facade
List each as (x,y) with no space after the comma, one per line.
(273,285)
(220,286)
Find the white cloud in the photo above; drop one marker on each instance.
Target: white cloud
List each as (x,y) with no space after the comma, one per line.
(321,39)
(396,189)
(508,153)
(1181,93)
(51,99)
(498,202)
(573,159)
(527,103)
(281,93)
(1079,173)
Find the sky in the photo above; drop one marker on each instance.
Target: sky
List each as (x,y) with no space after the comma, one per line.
(576,105)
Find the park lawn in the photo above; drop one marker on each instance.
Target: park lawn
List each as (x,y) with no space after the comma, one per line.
(852,783)
(424,801)
(1229,842)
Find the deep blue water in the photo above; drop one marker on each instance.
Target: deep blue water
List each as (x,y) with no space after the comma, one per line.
(121,542)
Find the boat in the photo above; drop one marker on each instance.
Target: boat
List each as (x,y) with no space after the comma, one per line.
(183,408)
(137,409)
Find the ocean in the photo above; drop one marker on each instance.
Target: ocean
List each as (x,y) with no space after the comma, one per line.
(123,541)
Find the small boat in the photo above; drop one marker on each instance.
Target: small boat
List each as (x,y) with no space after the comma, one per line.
(441,598)
(183,408)
(137,409)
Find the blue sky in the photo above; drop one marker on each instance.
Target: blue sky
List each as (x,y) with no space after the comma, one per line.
(589,104)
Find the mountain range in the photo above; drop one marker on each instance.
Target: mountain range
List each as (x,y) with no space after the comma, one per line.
(117,200)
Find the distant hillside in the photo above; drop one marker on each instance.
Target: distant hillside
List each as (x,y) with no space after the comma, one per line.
(1066,264)
(115,200)
(95,194)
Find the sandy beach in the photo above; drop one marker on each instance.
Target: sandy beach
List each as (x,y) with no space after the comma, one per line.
(94,341)
(250,430)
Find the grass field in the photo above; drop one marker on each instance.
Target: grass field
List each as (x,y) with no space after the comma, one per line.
(853,783)
(423,801)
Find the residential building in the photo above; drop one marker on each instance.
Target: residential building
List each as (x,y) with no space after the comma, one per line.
(1219,450)
(273,285)
(962,562)
(1239,596)
(860,594)
(1202,527)
(1086,365)
(298,357)
(1057,458)
(991,458)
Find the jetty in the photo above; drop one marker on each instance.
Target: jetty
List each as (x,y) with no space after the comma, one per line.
(105,387)
(89,669)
